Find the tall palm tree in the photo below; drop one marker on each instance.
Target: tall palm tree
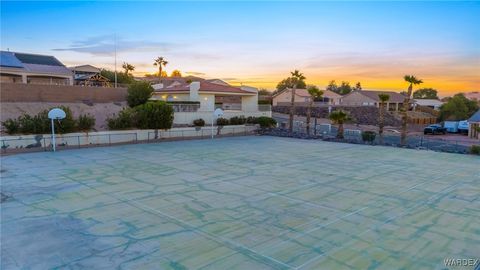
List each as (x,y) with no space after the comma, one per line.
(314,93)
(339,117)
(412,80)
(160,62)
(128,67)
(381,114)
(295,78)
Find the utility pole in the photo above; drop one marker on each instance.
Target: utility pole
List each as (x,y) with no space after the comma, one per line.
(115,44)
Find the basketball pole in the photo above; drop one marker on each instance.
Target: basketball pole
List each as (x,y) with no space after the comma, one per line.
(53,134)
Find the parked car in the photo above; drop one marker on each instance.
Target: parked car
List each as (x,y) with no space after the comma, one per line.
(463,127)
(434,129)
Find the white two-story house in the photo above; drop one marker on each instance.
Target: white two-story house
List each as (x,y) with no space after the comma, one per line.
(199,99)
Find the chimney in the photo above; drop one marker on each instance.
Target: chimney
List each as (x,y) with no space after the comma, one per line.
(194,87)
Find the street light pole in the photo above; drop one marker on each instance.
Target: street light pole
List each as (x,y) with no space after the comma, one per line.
(115,44)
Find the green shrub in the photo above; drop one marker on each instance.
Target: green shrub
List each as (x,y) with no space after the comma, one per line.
(252,120)
(12,126)
(40,123)
(266,122)
(222,121)
(124,120)
(65,125)
(237,120)
(154,115)
(199,122)
(37,124)
(139,93)
(182,102)
(265,102)
(85,122)
(475,149)
(368,136)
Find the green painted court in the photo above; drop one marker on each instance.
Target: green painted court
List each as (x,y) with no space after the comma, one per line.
(239,203)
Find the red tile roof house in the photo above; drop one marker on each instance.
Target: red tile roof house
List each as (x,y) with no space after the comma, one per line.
(302,97)
(370,98)
(195,98)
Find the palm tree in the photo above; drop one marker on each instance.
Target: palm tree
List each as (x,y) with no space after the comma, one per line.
(295,78)
(314,93)
(160,62)
(127,67)
(339,117)
(406,103)
(381,114)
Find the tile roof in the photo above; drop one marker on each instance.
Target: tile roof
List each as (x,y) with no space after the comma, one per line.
(394,96)
(215,87)
(47,69)
(304,93)
(176,85)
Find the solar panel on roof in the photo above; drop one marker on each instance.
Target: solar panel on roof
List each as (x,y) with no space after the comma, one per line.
(8,59)
(38,59)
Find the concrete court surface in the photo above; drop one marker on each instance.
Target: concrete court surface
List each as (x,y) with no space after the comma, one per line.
(239,203)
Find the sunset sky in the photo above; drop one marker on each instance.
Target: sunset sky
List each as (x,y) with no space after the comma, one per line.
(259,43)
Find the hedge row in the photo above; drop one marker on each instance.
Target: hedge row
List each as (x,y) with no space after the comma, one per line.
(41,124)
(263,121)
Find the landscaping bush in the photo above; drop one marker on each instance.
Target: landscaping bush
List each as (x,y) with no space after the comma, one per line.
(139,93)
(264,102)
(222,121)
(66,125)
(11,126)
(237,120)
(199,122)
(252,120)
(85,122)
(40,123)
(475,149)
(368,136)
(266,122)
(154,115)
(182,102)
(124,120)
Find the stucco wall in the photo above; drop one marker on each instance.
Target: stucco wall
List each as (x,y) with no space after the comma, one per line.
(77,139)
(286,96)
(357,99)
(19,92)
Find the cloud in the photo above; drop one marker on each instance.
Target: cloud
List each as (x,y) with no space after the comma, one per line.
(105,45)
(194,73)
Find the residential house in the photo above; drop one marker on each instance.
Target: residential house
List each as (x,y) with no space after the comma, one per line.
(302,97)
(473,125)
(33,68)
(473,96)
(198,99)
(431,103)
(370,98)
(88,75)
